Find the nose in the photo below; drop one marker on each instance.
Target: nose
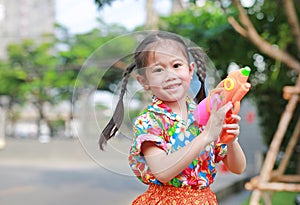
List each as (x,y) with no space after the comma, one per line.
(170,74)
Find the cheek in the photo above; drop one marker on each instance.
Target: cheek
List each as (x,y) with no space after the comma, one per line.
(155,80)
(186,80)
(186,77)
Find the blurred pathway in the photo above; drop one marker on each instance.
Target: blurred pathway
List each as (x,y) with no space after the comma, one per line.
(61,172)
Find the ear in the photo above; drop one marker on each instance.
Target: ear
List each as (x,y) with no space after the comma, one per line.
(143,81)
(191,69)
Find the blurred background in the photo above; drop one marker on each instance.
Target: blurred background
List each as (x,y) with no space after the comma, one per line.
(57,91)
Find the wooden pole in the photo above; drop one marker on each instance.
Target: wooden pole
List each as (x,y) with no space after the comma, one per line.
(273,150)
(288,178)
(289,149)
(277,186)
(288,91)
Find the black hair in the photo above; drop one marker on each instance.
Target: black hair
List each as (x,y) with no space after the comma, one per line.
(140,61)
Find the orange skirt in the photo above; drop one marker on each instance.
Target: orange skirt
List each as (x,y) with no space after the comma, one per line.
(165,195)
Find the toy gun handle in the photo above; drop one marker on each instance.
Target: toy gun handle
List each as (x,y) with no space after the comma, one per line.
(228,137)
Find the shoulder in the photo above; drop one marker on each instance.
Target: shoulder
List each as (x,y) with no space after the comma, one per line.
(145,115)
(145,120)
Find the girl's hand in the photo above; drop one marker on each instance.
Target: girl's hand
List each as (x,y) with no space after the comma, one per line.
(233,128)
(216,120)
(235,159)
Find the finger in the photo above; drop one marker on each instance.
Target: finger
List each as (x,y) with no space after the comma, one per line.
(215,105)
(216,90)
(231,126)
(236,117)
(234,132)
(232,129)
(227,107)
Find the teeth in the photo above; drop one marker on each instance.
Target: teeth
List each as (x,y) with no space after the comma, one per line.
(172,86)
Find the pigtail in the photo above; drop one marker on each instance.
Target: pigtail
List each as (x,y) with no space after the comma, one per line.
(115,122)
(198,56)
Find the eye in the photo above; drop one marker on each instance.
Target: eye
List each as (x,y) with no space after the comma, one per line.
(157,69)
(177,65)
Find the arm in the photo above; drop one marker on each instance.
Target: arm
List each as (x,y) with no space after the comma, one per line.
(165,167)
(235,159)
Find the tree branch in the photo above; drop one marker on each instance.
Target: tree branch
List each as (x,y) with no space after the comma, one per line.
(247,30)
(293,21)
(237,27)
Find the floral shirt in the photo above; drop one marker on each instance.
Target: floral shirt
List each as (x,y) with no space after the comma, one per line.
(157,123)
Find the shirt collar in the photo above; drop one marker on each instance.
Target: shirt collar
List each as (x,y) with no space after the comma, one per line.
(159,106)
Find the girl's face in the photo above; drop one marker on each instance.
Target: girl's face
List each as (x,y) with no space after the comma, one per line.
(168,73)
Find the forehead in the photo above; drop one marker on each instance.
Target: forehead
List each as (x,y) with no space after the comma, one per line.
(166,47)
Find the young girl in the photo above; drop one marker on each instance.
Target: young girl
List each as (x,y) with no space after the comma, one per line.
(170,152)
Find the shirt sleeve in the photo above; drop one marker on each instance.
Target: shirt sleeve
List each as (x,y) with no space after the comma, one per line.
(220,152)
(147,129)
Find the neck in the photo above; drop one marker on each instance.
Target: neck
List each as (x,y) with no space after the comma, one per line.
(179,107)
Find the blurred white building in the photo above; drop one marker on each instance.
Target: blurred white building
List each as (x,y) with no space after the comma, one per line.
(21,19)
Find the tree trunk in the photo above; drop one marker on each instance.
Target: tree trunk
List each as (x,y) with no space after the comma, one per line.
(4,102)
(177,6)
(40,119)
(246,29)
(152,17)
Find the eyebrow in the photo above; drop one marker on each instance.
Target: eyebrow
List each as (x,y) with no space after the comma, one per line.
(173,60)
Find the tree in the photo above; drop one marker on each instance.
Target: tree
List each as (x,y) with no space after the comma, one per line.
(81,47)
(270,49)
(246,29)
(286,52)
(10,87)
(41,81)
(11,81)
(282,54)
(45,72)
(208,27)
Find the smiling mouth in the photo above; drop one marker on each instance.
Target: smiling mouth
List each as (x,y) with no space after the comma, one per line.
(172,86)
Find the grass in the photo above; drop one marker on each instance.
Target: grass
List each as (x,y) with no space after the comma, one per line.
(280,198)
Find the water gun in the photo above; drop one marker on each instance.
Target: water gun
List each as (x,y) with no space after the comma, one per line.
(233,88)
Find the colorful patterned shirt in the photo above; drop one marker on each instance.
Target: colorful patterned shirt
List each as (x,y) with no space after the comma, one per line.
(157,123)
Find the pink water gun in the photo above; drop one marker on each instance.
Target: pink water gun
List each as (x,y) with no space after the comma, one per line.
(234,87)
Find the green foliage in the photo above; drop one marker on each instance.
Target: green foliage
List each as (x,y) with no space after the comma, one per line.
(11,81)
(36,64)
(40,72)
(207,26)
(87,53)
(280,198)
(271,76)
(56,126)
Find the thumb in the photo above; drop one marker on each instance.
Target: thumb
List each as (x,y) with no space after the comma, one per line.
(227,107)
(214,105)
